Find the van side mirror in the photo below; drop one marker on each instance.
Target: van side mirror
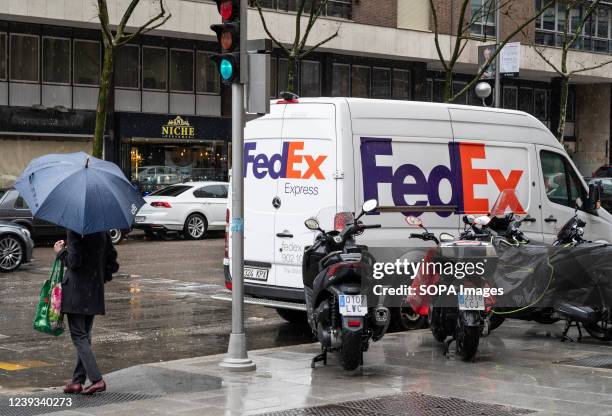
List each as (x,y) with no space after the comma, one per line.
(593,202)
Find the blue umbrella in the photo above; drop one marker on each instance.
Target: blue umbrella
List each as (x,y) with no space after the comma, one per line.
(79,192)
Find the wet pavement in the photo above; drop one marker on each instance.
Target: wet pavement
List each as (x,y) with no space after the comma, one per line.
(521,368)
(158,308)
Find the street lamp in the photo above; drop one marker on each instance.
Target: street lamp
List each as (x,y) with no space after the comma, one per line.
(483,91)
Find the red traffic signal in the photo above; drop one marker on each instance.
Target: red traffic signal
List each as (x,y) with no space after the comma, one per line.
(229,9)
(228,35)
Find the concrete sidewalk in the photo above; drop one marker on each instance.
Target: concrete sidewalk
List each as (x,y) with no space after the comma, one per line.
(522,368)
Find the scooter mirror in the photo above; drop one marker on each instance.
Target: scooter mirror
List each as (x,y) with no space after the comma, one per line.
(446,237)
(369,205)
(468,219)
(312,224)
(413,221)
(578,202)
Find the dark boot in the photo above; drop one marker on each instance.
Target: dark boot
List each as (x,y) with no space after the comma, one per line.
(95,387)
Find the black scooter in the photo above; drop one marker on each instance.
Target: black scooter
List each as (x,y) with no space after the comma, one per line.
(336,274)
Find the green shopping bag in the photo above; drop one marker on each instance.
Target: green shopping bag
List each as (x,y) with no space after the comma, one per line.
(49,318)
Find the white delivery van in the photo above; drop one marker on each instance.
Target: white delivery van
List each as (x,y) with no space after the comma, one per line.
(310,154)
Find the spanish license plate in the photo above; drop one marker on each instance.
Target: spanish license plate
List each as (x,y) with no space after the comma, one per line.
(140,218)
(353,305)
(471,302)
(255,273)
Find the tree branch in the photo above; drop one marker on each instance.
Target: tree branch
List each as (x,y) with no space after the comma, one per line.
(104,22)
(434,16)
(323,42)
(589,68)
(150,25)
(126,17)
(265,26)
(311,22)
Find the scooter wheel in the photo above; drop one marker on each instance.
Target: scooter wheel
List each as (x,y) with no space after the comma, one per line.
(351,353)
(599,331)
(468,338)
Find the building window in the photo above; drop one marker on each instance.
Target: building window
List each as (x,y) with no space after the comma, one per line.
(360,81)
(341,80)
(56,60)
(3,56)
(310,79)
(24,58)
(525,102)
(381,83)
(596,34)
(154,68)
(181,70)
(483,18)
(283,76)
(401,84)
(334,8)
(127,67)
(86,62)
(457,87)
(207,80)
(541,104)
(510,99)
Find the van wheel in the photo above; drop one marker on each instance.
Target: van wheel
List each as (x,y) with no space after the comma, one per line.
(406,319)
(195,227)
(290,315)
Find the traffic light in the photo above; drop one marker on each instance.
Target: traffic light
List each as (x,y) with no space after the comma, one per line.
(228,35)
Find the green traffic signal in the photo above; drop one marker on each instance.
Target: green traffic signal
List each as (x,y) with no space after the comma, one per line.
(226,69)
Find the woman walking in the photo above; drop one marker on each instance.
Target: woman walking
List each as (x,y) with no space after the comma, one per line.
(90,261)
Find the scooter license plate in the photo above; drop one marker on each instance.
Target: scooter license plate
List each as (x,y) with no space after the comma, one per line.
(471,302)
(353,305)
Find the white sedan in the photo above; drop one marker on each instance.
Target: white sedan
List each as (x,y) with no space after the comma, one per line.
(192,208)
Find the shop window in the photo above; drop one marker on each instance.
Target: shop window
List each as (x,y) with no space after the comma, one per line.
(571,106)
(526,100)
(429,91)
(457,87)
(360,81)
(510,99)
(283,74)
(310,79)
(340,80)
(438,91)
(86,62)
(127,65)
(381,83)
(3,56)
(181,70)
(541,104)
(483,17)
(335,8)
(56,60)
(154,68)
(24,58)
(273,77)
(401,84)
(207,79)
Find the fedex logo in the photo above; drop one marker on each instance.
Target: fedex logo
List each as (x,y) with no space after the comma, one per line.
(462,174)
(292,163)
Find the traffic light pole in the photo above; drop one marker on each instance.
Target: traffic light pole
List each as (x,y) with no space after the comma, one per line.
(236,358)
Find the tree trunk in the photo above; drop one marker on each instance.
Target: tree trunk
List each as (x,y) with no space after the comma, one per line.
(107,73)
(291,62)
(448,86)
(563,109)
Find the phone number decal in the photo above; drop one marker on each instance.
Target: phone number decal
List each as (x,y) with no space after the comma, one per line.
(40,401)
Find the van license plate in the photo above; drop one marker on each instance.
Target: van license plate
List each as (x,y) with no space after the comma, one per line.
(255,273)
(471,302)
(140,219)
(353,305)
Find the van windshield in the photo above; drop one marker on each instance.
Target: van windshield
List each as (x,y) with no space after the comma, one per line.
(174,190)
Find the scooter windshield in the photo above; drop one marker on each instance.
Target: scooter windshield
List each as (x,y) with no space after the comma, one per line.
(334,217)
(504,202)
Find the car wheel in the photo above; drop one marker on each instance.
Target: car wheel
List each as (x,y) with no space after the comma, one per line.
(11,253)
(116,235)
(195,227)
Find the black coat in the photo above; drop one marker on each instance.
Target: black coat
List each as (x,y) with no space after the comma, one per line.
(85,259)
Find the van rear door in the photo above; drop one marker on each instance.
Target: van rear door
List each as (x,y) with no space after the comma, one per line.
(262,144)
(308,149)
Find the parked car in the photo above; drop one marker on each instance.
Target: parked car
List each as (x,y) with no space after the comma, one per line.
(192,208)
(15,246)
(14,209)
(603,172)
(605,189)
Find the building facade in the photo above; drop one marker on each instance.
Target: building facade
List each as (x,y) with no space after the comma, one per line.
(169,116)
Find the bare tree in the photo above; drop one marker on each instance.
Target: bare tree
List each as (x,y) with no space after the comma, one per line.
(298,49)
(569,41)
(463,36)
(112,40)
